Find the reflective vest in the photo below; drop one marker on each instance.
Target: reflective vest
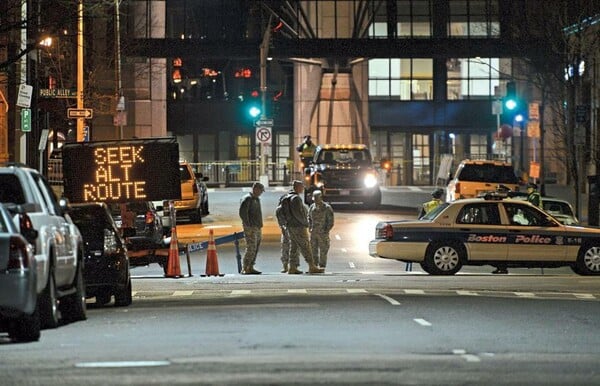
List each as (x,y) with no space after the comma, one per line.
(431,205)
(536,199)
(308,150)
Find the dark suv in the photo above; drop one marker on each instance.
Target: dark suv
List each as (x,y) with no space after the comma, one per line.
(344,173)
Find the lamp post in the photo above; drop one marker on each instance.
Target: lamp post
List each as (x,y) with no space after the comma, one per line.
(80,121)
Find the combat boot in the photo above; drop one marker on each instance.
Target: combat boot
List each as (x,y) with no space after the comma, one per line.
(294,271)
(314,269)
(285,268)
(251,271)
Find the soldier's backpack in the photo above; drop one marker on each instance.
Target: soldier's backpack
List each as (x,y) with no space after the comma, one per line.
(282,212)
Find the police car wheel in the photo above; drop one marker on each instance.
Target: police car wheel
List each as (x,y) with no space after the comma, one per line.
(444,258)
(588,261)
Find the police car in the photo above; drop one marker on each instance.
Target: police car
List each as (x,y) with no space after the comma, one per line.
(492,230)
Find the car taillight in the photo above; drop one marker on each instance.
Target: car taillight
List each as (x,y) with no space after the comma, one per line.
(457,188)
(385,232)
(27,229)
(17,256)
(149,217)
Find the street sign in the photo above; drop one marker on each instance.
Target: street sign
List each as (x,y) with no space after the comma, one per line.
(534,111)
(25,120)
(80,113)
(533,129)
(58,93)
(24,96)
(264,122)
(263,135)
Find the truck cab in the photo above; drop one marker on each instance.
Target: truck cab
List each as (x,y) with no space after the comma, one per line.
(345,174)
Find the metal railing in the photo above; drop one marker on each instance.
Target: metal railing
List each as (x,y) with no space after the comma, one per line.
(240,172)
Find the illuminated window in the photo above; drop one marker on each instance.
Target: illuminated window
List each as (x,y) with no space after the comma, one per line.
(474,18)
(412,19)
(401,79)
(475,78)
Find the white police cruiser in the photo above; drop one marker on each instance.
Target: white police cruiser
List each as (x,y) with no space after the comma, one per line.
(492,230)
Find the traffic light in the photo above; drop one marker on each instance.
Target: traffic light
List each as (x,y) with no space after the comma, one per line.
(510,100)
(254,111)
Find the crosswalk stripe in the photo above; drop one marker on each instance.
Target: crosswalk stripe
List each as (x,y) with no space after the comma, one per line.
(241,292)
(422,322)
(525,294)
(585,296)
(296,291)
(467,293)
(356,290)
(182,293)
(414,292)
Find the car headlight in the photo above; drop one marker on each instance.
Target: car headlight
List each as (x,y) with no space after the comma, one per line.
(370,180)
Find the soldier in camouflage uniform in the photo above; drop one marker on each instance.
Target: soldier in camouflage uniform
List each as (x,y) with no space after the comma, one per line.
(285,237)
(297,226)
(252,222)
(320,222)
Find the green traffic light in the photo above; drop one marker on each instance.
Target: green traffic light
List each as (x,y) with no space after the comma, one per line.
(254,111)
(510,104)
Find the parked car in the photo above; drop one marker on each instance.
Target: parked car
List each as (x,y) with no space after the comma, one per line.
(58,246)
(493,230)
(144,228)
(18,282)
(106,269)
(194,195)
(475,177)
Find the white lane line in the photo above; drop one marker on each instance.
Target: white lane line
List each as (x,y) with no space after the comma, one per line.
(467,357)
(422,322)
(351,264)
(584,296)
(525,294)
(414,292)
(182,293)
(338,237)
(241,292)
(414,188)
(344,250)
(393,302)
(123,364)
(356,290)
(296,291)
(467,293)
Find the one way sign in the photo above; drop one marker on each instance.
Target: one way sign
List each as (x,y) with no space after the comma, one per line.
(80,113)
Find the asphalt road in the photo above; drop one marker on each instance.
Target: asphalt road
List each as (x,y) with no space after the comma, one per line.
(366,321)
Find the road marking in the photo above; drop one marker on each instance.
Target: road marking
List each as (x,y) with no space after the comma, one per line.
(351,264)
(467,293)
(422,322)
(183,293)
(356,290)
(123,364)
(296,291)
(467,357)
(337,237)
(393,302)
(414,292)
(584,296)
(241,292)
(525,294)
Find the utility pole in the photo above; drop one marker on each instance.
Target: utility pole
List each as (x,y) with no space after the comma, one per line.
(264,53)
(3,102)
(80,121)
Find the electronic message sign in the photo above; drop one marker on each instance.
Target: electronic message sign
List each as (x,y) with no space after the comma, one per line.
(122,171)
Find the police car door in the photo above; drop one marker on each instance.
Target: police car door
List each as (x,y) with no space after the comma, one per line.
(482,231)
(533,235)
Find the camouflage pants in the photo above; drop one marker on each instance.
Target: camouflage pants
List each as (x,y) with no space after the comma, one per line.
(319,244)
(285,246)
(253,236)
(299,241)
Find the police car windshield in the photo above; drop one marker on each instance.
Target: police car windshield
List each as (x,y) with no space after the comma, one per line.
(434,212)
(344,157)
(488,173)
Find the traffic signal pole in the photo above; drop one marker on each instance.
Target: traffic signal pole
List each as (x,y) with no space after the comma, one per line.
(264,53)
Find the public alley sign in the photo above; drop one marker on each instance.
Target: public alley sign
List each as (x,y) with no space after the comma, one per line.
(122,171)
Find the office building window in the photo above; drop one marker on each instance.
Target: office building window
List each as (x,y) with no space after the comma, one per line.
(474,18)
(475,78)
(402,18)
(401,79)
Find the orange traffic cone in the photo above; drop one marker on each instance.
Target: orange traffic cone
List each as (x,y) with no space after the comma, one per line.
(212,263)
(173,266)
